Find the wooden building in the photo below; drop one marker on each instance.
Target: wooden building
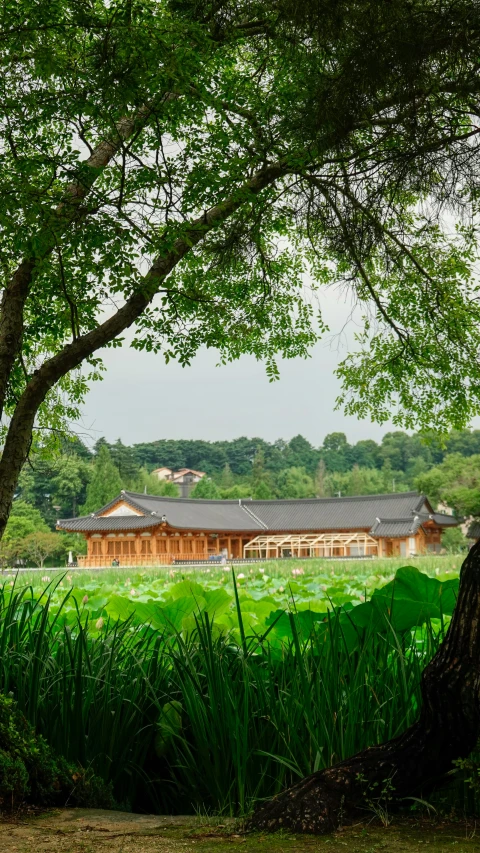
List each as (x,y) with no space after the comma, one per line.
(141,530)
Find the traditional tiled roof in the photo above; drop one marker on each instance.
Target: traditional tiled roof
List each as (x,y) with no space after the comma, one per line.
(473,531)
(351,513)
(92,524)
(444,520)
(395,528)
(348,513)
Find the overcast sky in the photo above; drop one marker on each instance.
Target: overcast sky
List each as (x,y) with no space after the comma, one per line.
(142,399)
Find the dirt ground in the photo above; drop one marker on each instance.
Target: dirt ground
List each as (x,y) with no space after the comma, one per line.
(97,831)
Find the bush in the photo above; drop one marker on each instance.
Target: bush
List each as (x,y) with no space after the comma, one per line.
(30,772)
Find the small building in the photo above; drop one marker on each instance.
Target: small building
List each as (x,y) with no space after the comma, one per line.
(142,530)
(184,478)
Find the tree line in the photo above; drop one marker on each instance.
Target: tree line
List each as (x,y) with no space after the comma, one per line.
(80,480)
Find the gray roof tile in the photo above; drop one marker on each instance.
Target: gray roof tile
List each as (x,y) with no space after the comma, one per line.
(473,531)
(394,528)
(351,513)
(92,524)
(337,513)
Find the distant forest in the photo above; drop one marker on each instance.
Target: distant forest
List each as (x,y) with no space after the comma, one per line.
(80,480)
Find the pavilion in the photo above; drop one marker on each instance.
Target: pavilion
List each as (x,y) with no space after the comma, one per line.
(143,530)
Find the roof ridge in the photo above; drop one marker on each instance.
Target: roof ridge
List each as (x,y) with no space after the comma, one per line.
(342,498)
(252,515)
(399,518)
(274,501)
(169,499)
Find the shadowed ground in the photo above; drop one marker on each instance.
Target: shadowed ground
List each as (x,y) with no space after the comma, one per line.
(97,831)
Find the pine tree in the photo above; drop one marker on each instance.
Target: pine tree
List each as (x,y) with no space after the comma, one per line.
(226,480)
(320,479)
(105,483)
(261,488)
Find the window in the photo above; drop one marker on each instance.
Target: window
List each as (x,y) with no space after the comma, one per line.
(187,546)
(161,546)
(200,546)
(146,547)
(96,548)
(128,547)
(175,546)
(114,549)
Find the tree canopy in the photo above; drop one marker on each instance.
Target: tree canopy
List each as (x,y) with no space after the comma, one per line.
(199,170)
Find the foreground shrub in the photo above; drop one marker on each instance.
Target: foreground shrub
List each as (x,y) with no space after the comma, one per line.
(30,772)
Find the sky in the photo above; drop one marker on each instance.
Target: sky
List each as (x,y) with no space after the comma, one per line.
(142,399)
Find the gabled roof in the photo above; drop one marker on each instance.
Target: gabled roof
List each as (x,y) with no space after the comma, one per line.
(93,524)
(395,528)
(348,513)
(250,516)
(444,520)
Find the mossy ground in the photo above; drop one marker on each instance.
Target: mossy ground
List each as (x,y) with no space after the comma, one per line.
(96,831)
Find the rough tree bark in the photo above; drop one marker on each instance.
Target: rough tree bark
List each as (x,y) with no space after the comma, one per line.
(448,728)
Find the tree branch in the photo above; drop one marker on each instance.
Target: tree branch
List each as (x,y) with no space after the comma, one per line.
(18,287)
(73,354)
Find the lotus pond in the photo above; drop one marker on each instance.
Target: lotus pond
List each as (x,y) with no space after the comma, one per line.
(170,599)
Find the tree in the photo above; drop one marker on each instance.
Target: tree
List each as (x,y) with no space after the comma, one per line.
(260,480)
(447,729)
(38,546)
(301,454)
(320,479)
(24,519)
(454,541)
(455,482)
(294,483)
(150,483)
(358,481)
(262,491)
(124,459)
(226,480)
(336,452)
(69,482)
(105,483)
(206,489)
(269,116)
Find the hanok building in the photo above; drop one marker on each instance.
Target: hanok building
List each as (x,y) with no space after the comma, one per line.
(142,530)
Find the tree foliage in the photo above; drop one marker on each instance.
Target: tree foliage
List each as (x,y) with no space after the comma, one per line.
(188,166)
(105,483)
(456,482)
(206,489)
(38,546)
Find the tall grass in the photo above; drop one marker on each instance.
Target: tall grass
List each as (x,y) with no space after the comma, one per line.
(201,722)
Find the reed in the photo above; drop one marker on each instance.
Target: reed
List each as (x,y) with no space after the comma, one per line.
(181,723)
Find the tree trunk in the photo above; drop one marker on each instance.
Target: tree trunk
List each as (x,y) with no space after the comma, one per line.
(447,729)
